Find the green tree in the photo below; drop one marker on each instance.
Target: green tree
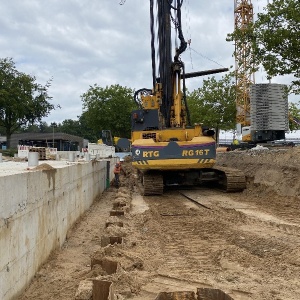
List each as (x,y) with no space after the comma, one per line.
(79,128)
(41,127)
(294,116)
(22,100)
(71,127)
(44,127)
(214,103)
(2,130)
(109,108)
(87,132)
(30,128)
(275,40)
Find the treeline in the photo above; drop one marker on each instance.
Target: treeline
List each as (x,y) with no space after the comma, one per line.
(24,103)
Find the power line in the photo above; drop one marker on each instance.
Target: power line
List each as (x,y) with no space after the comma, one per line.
(205,57)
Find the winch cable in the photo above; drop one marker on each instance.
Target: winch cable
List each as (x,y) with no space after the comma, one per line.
(183,43)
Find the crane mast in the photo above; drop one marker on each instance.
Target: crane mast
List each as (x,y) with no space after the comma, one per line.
(243,13)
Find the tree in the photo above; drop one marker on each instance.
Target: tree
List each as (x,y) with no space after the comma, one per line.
(22,100)
(87,132)
(294,116)
(214,103)
(2,130)
(30,128)
(71,127)
(109,108)
(79,128)
(275,40)
(44,127)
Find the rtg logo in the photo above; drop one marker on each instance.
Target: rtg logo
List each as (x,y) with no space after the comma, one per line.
(151,154)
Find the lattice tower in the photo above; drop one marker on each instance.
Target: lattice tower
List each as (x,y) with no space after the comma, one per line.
(243,13)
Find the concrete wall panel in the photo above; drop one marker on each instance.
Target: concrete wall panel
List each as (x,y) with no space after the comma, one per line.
(37,209)
(13,197)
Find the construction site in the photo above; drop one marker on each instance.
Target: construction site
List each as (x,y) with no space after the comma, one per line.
(174,216)
(244,244)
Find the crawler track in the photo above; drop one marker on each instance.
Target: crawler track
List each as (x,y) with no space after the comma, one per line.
(231,180)
(152,184)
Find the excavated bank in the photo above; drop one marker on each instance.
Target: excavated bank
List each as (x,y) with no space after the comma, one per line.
(275,171)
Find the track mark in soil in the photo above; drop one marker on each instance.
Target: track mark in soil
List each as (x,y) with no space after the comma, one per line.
(138,204)
(208,196)
(162,283)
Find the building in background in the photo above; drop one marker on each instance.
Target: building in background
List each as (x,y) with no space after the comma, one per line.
(2,142)
(59,140)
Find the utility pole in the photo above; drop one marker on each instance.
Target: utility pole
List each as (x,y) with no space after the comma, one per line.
(53,126)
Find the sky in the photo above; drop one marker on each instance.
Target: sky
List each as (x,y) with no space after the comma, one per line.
(79,43)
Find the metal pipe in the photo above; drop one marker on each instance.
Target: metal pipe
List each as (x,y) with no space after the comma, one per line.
(206,72)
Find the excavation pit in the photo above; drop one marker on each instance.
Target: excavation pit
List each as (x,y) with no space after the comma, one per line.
(109,266)
(116,213)
(119,224)
(212,294)
(110,240)
(102,290)
(117,205)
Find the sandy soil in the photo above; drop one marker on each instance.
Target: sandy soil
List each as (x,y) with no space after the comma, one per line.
(245,244)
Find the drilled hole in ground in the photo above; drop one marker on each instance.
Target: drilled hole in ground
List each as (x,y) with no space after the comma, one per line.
(119,224)
(102,290)
(109,266)
(116,213)
(118,205)
(110,240)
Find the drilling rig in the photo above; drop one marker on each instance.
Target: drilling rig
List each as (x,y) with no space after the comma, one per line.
(166,148)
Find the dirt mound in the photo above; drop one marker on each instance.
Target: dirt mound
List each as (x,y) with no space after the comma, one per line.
(275,171)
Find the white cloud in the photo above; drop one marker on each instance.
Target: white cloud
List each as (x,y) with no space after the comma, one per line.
(80,43)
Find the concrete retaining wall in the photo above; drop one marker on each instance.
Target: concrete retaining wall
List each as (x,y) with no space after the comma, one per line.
(36,210)
(65,154)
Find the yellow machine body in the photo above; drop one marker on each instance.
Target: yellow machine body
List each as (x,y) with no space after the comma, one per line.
(169,149)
